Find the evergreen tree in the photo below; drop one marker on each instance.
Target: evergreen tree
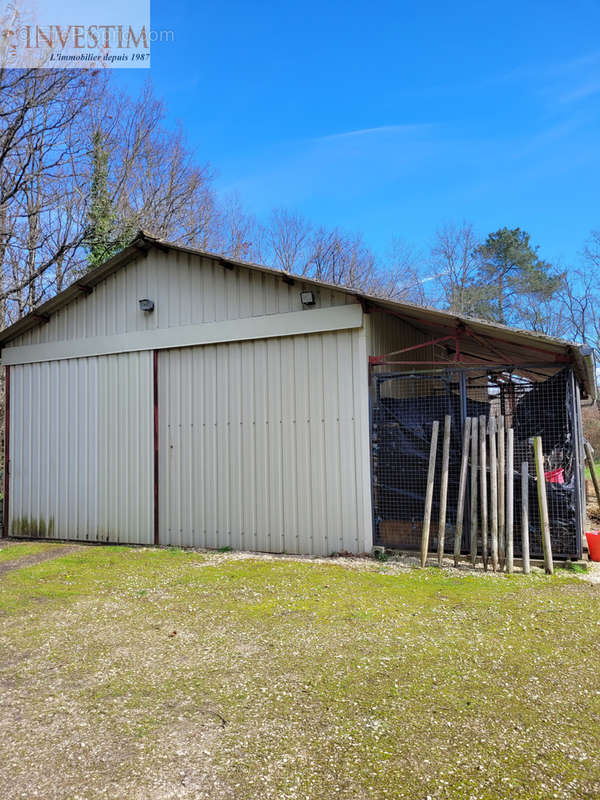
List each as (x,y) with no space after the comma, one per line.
(512,282)
(104,236)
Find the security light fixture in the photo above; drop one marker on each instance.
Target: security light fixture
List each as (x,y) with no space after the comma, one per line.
(307,298)
(146,305)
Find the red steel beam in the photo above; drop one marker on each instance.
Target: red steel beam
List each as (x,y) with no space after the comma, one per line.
(155,404)
(557,356)
(483,364)
(483,340)
(430,342)
(436,363)
(461,326)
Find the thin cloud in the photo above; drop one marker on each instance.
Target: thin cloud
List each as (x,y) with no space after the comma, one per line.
(581,92)
(545,70)
(373,132)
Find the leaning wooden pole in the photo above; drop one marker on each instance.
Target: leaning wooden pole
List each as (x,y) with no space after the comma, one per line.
(444,488)
(462,487)
(501,493)
(592,467)
(483,488)
(429,493)
(525,516)
(543,504)
(510,494)
(474,468)
(493,494)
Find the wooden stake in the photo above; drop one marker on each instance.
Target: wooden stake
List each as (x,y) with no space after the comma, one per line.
(525,516)
(543,504)
(501,492)
(474,462)
(493,494)
(510,493)
(429,493)
(444,488)
(483,488)
(462,486)
(592,467)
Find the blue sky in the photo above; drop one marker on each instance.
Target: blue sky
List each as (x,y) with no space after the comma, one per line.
(391,118)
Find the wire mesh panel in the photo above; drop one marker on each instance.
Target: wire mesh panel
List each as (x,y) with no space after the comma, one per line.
(403,414)
(404,409)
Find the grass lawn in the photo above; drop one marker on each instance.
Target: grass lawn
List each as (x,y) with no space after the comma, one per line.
(12,551)
(135,674)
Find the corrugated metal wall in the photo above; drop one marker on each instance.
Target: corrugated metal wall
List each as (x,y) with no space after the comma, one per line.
(81,449)
(187,289)
(264,445)
(387,333)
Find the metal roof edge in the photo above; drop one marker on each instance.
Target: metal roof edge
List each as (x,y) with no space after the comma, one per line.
(145,240)
(81,285)
(587,359)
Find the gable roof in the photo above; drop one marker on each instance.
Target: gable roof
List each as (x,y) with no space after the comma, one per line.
(520,345)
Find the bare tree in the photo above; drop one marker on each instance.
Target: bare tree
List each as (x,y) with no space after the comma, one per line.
(287,237)
(342,259)
(580,304)
(48,119)
(580,301)
(154,181)
(290,242)
(454,264)
(41,149)
(580,296)
(237,233)
(50,122)
(401,278)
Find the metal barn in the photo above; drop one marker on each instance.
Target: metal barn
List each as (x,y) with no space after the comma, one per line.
(176,397)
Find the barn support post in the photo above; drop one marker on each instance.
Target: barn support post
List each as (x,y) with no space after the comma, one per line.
(525,516)
(543,504)
(444,488)
(5,511)
(462,383)
(574,400)
(155,448)
(493,492)
(429,493)
(483,488)
(474,480)
(462,386)
(501,487)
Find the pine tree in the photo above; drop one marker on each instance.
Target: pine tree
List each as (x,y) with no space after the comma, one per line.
(512,281)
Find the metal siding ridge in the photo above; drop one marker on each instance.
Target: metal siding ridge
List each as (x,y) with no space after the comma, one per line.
(262,327)
(83,463)
(331,445)
(264,449)
(317,389)
(363,436)
(155,444)
(6,509)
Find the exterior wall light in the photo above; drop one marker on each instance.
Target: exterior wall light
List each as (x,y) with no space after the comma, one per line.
(146,305)
(307,298)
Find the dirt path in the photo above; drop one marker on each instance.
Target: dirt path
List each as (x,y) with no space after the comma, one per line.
(37,558)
